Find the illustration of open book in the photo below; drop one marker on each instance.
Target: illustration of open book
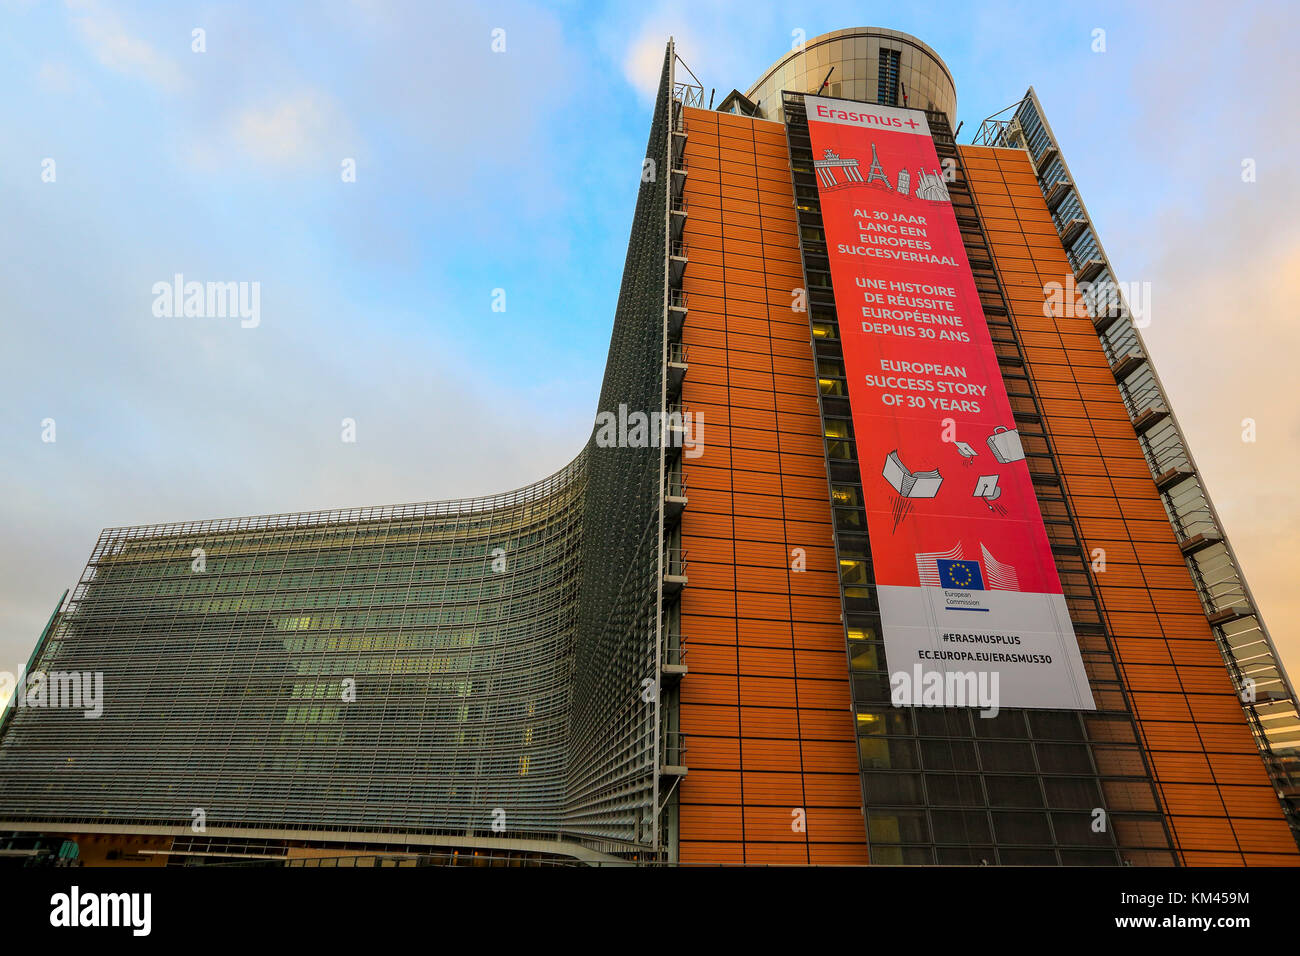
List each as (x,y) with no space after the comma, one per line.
(921,484)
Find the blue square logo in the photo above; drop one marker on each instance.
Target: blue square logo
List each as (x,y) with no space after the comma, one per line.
(962,575)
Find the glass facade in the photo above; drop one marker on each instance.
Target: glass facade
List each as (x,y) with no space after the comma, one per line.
(617,724)
(386,667)
(483,668)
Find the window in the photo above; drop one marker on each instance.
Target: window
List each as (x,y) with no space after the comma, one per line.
(864,657)
(898,826)
(848,520)
(1022,828)
(958,826)
(1072,792)
(853,571)
(1063,758)
(948,755)
(883,722)
(887,85)
(846,495)
(1007,791)
(953,790)
(1005,755)
(887,787)
(881,753)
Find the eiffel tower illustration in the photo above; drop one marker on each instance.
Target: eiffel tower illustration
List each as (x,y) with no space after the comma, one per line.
(876,172)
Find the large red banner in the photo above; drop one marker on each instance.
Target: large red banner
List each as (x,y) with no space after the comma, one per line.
(962,562)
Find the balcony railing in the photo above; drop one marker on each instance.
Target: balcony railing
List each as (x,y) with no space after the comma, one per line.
(675,562)
(673,754)
(675,484)
(675,651)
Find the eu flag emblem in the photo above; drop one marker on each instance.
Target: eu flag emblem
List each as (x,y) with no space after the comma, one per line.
(963,575)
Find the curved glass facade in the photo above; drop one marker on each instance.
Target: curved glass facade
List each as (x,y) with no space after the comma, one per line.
(400,667)
(485,668)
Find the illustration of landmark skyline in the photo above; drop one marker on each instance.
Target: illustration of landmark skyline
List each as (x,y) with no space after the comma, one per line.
(684,657)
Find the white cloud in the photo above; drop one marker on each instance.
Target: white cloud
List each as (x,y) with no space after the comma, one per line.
(299,128)
(118,49)
(643,63)
(721,47)
(643,58)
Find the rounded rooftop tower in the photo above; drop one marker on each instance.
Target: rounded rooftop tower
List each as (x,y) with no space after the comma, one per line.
(869,64)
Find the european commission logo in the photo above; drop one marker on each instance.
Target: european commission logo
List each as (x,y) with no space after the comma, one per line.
(962,575)
(952,569)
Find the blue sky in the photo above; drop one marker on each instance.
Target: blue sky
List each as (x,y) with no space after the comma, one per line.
(518,170)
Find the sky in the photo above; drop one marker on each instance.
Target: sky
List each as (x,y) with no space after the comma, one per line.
(508,178)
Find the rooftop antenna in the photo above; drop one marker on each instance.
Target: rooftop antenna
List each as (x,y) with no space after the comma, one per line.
(825,81)
(711,92)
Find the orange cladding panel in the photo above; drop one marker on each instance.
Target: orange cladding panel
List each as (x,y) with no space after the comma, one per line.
(769,735)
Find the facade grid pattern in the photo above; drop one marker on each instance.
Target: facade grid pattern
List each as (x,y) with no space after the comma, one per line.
(764,709)
(1214,790)
(371,669)
(943,786)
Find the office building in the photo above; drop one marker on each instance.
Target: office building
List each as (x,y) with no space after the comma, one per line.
(863,383)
